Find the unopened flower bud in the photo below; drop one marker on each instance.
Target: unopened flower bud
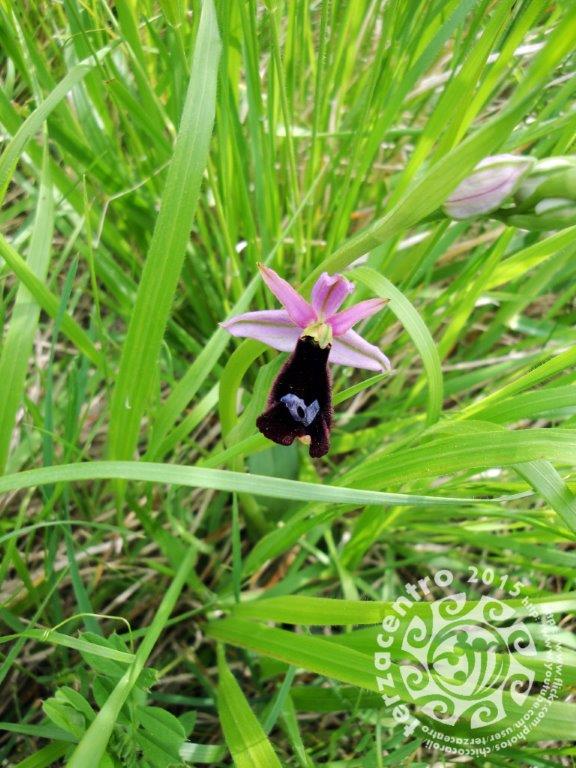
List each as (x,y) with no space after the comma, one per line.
(492,183)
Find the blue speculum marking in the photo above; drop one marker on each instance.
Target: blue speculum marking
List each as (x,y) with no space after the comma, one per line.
(300,412)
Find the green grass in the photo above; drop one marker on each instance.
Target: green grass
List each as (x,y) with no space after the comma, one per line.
(175,589)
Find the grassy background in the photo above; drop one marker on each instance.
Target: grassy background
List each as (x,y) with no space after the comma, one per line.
(152,155)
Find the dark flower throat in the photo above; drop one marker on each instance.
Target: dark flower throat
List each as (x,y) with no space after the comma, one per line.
(300,403)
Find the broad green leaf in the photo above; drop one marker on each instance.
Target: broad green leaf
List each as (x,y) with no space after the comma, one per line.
(349,666)
(65,717)
(466,452)
(162,727)
(551,401)
(322,611)
(245,737)
(545,370)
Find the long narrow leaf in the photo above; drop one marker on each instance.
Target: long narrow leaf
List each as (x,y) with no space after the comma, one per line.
(248,744)
(23,323)
(155,295)
(49,302)
(221,480)
(34,121)
(417,330)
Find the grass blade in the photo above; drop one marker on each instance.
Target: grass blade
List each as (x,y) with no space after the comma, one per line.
(245,737)
(34,122)
(169,241)
(222,480)
(23,324)
(49,303)
(417,330)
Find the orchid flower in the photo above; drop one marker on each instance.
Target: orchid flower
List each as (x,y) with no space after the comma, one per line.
(320,319)
(300,404)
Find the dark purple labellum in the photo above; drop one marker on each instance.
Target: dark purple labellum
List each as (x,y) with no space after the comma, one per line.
(300,403)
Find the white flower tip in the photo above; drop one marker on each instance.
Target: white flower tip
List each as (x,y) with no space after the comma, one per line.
(229,325)
(557,163)
(495,161)
(386,364)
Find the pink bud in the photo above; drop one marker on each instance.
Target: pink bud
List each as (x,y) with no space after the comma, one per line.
(491,183)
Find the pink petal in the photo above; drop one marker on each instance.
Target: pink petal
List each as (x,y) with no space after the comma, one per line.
(352,349)
(300,312)
(328,294)
(273,326)
(343,321)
